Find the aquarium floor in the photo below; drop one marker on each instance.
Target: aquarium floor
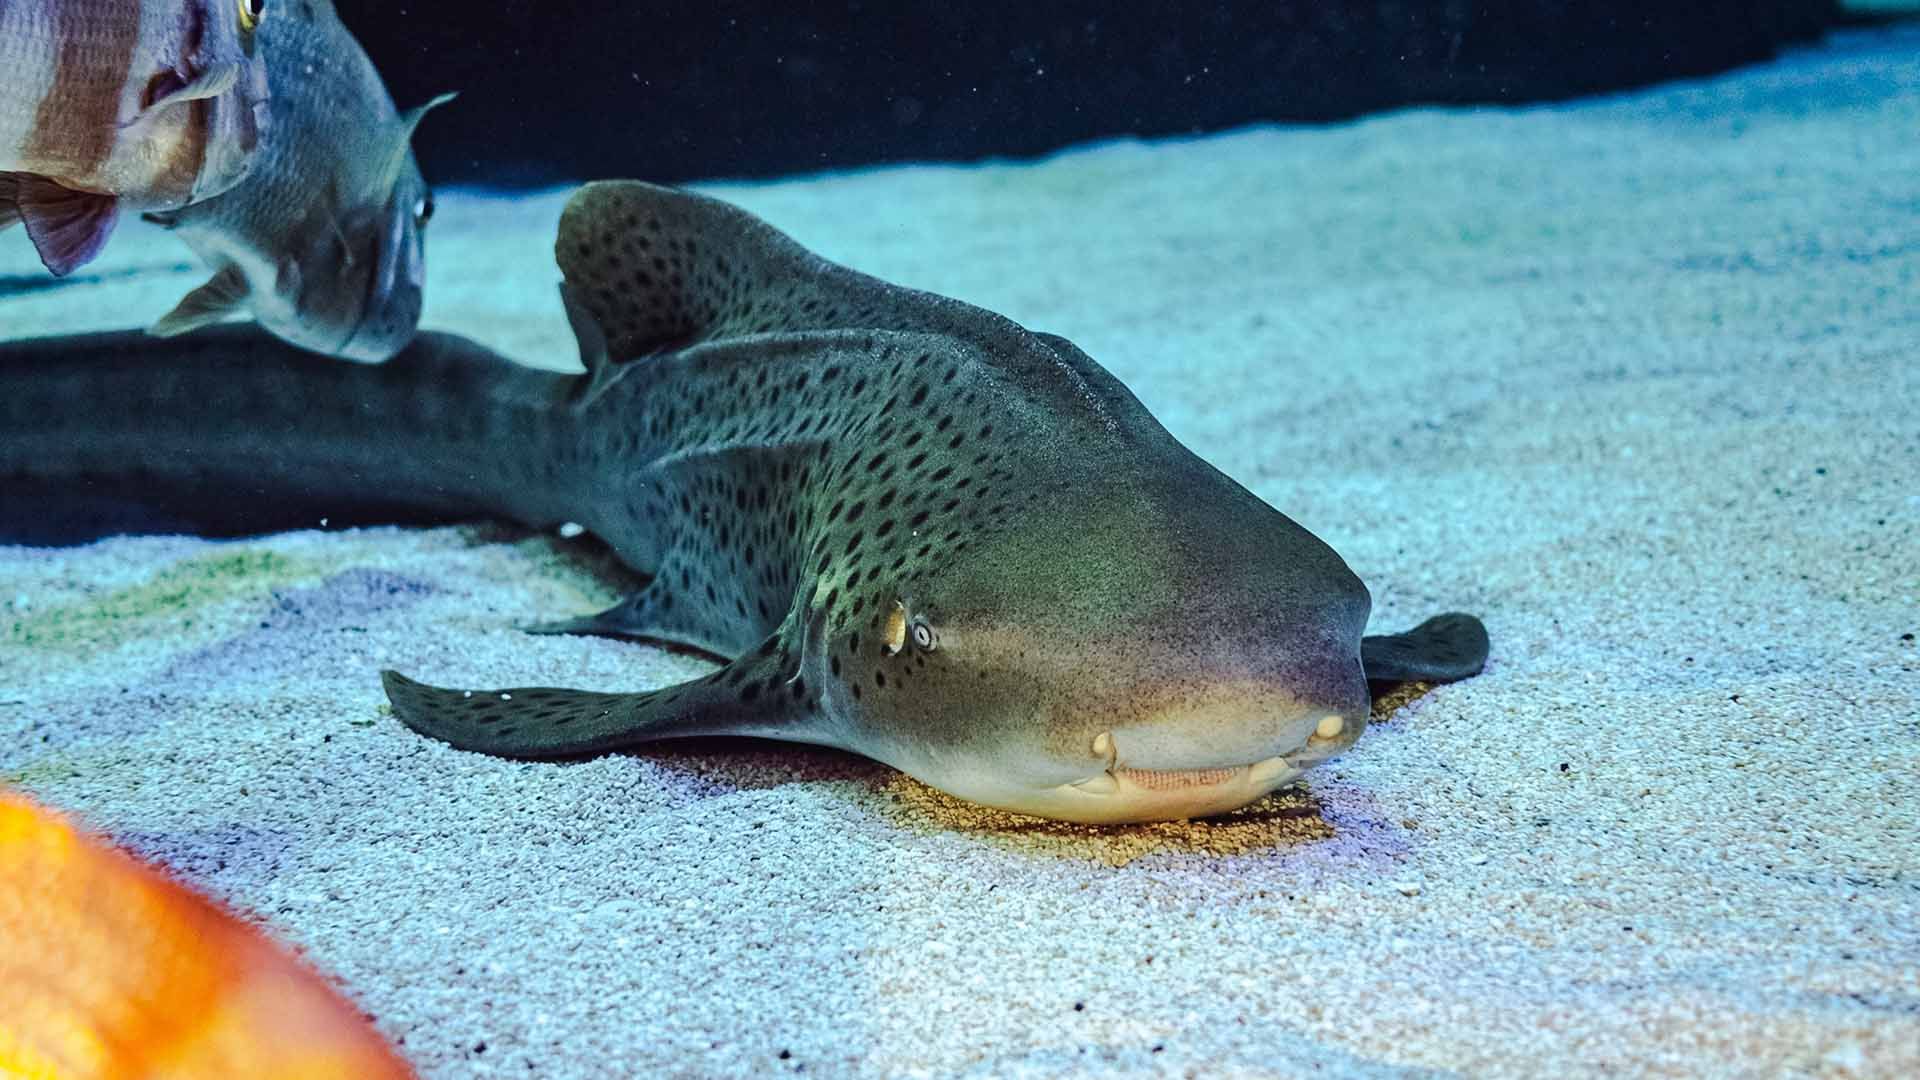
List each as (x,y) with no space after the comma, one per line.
(1634,378)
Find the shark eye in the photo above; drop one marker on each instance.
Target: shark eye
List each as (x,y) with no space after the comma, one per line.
(251,12)
(895,631)
(423,210)
(901,628)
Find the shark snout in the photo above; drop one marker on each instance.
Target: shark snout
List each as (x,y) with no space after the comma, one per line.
(1220,709)
(1209,753)
(1247,722)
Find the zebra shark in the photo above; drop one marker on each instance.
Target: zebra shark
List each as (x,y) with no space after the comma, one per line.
(911,528)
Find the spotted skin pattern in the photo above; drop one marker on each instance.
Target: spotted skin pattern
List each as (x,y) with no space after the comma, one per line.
(808,454)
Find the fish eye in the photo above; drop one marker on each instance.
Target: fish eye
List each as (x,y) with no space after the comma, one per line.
(251,12)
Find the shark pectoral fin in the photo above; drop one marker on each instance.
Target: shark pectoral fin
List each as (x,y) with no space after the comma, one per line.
(1445,648)
(747,697)
(634,617)
(531,722)
(68,228)
(646,615)
(604,624)
(222,295)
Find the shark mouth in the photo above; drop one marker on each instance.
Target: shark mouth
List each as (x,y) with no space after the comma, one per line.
(1168,781)
(1267,773)
(1175,779)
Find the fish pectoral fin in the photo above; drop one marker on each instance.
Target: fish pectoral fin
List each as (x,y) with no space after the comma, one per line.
(222,295)
(1445,648)
(9,213)
(744,698)
(68,228)
(168,88)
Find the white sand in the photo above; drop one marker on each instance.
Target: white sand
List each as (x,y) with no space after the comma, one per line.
(1636,379)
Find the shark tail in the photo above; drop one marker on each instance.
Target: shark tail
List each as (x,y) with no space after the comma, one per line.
(229,431)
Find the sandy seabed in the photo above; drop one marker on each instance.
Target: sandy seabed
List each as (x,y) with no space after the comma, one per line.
(1634,378)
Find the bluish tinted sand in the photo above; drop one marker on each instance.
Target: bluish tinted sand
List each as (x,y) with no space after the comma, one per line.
(1635,378)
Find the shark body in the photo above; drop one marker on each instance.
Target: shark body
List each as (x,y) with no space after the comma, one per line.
(914,529)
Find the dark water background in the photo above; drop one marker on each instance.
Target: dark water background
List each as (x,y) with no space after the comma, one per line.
(674,90)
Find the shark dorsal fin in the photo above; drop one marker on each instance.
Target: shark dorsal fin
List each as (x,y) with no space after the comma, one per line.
(601,371)
(658,269)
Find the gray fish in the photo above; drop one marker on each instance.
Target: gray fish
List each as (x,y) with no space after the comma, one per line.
(916,530)
(323,241)
(111,105)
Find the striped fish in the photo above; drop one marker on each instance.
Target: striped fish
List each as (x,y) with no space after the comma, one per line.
(109,969)
(112,105)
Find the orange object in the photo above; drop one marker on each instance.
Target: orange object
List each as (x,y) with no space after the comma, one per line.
(110,969)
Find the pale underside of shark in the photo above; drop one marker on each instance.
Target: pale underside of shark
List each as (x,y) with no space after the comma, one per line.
(914,529)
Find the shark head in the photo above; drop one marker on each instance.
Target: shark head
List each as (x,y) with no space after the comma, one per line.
(1103,629)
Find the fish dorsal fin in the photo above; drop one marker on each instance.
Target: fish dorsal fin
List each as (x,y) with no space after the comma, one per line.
(658,269)
(403,139)
(410,119)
